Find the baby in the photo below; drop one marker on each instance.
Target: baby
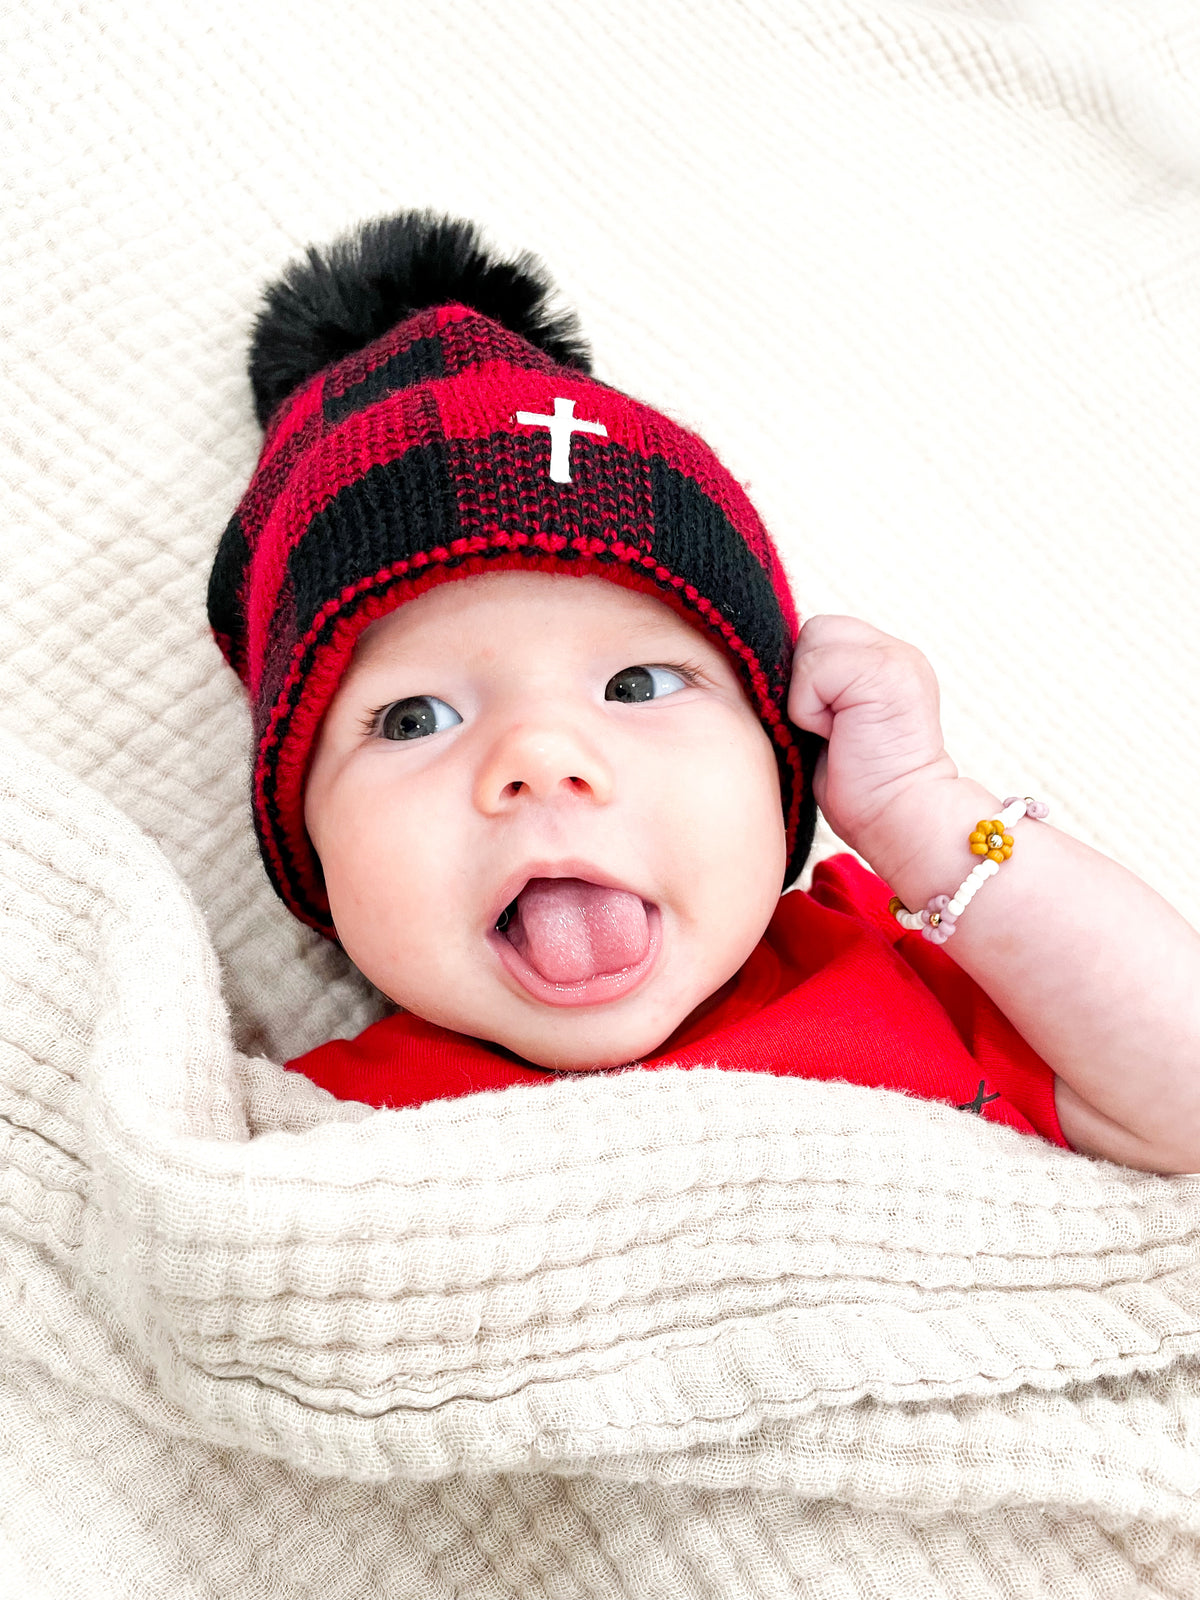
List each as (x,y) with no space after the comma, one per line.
(540,743)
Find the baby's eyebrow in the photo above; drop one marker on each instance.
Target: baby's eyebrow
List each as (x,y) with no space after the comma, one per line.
(650,628)
(669,629)
(368,652)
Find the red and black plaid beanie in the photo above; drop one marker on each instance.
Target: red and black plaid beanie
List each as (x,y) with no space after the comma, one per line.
(428,418)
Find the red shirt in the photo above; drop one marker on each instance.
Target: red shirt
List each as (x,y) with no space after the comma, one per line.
(835,989)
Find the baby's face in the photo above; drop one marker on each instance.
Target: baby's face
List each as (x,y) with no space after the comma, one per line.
(569,752)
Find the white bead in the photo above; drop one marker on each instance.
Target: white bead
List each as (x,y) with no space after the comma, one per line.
(957,906)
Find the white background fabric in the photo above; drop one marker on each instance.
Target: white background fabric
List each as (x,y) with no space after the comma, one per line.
(925,274)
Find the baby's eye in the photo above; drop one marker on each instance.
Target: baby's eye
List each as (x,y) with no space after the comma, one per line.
(644,683)
(415,717)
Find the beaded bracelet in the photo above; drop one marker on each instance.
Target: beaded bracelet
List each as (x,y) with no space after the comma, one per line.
(991,841)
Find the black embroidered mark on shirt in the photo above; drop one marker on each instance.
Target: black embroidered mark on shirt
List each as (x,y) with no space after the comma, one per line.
(979,1101)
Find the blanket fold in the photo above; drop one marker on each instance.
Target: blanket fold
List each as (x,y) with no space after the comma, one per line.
(583,1338)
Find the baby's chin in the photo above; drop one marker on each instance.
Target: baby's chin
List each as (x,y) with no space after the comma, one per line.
(582,1055)
(574,1048)
(562,1068)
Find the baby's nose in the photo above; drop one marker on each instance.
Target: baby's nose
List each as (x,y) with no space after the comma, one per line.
(537,762)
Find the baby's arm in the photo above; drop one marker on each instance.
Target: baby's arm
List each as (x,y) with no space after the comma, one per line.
(1098,973)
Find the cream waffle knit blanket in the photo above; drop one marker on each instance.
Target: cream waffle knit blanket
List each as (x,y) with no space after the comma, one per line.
(924,273)
(641,1335)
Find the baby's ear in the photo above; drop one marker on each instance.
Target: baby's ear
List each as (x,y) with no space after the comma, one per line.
(340,299)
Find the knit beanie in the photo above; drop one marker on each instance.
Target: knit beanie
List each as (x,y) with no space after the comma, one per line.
(427,418)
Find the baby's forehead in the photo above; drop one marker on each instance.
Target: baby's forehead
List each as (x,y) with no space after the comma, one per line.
(494,606)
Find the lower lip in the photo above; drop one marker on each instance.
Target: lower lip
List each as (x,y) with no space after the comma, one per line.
(592,991)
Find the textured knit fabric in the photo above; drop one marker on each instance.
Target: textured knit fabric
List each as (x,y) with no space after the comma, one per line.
(924,270)
(430,455)
(675,1335)
(835,990)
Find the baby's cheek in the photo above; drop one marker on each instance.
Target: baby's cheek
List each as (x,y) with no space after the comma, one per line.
(395,896)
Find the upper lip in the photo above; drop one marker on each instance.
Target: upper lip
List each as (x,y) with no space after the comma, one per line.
(573,868)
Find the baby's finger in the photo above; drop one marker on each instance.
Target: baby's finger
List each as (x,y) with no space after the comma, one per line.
(827,628)
(807,707)
(876,682)
(831,674)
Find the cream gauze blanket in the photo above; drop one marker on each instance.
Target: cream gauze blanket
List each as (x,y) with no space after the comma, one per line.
(650,1335)
(923,272)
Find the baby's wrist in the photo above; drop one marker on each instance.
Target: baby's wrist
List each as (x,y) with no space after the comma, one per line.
(921,849)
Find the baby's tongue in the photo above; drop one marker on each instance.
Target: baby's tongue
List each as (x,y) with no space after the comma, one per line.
(569,930)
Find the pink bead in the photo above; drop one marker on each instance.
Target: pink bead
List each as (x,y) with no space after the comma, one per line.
(1037,809)
(940,933)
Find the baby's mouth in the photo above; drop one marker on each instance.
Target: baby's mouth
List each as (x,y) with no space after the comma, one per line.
(570,930)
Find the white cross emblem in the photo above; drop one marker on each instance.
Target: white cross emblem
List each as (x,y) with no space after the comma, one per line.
(562,425)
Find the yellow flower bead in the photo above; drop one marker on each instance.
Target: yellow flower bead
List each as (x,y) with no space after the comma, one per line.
(982,840)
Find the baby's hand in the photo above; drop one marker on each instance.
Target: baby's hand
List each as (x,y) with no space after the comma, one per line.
(875,699)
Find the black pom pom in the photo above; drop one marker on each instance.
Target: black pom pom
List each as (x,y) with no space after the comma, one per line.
(340,299)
